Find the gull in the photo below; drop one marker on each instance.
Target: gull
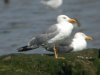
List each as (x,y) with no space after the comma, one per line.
(52,3)
(56,34)
(78,43)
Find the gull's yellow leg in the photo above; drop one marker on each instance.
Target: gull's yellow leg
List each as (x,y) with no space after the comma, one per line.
(56,53)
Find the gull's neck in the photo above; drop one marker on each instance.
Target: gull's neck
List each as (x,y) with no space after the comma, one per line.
(65,28)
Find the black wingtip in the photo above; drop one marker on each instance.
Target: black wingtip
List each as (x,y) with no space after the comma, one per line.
(24,48)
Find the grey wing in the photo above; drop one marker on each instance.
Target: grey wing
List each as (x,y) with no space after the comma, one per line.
(65,46)
(44,37)
(65,49)
(51,29)
(66,42)
(51,32)
(38,40)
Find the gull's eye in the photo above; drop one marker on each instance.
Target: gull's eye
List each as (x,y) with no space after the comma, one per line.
(64,17)
(83,34)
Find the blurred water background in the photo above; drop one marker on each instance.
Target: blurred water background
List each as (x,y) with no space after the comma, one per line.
(20,20)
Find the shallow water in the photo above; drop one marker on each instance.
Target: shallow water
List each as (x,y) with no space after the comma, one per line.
(22,19)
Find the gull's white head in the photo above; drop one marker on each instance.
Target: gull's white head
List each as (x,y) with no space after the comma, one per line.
(82,35)
(64,18)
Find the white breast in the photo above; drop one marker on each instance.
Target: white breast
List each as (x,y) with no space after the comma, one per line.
(78,44)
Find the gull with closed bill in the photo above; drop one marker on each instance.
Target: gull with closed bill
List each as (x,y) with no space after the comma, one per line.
(56,34)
